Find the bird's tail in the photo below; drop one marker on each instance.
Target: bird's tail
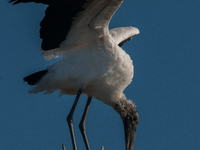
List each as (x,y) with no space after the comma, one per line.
(34,78)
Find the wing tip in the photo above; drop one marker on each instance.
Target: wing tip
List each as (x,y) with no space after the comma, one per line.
(14,2)
(135,29)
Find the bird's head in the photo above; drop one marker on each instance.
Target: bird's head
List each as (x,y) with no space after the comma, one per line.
(128,113)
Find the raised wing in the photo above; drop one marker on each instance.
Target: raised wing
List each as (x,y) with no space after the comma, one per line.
(66,21)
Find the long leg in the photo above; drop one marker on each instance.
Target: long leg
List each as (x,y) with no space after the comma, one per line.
(82,123)
(70,119)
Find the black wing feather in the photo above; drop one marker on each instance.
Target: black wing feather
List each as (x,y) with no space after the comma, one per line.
(57,21)
(27,1)
(35,77)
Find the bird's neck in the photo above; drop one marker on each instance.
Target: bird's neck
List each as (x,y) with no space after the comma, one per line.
(124,107)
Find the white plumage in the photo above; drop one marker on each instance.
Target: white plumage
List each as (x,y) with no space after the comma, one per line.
(92,59)
(102,70)
(93,62)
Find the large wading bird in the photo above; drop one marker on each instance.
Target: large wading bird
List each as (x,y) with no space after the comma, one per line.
(93,61)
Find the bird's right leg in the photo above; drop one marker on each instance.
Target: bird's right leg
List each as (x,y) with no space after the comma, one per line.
(70,119)
(82,123)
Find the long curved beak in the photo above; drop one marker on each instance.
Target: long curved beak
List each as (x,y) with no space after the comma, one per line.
(130,132)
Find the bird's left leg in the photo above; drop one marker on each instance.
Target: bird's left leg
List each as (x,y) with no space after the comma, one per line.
(70,119)
(82,123)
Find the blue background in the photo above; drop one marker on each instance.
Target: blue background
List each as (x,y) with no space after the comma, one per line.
(165,88)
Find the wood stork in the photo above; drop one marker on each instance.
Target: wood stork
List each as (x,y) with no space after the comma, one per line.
(93,61)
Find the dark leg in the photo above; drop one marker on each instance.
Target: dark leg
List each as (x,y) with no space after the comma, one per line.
(82,123)
(70,119)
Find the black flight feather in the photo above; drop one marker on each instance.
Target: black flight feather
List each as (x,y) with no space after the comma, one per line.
(34,78)
(57,20)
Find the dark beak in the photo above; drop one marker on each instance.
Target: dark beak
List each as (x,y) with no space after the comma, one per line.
(130,127)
